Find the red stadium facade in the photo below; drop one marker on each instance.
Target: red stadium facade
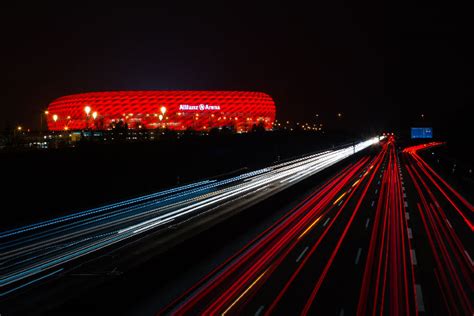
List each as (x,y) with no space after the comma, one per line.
(176,110)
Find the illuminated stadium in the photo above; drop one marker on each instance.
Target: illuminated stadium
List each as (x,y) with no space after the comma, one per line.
(175,110)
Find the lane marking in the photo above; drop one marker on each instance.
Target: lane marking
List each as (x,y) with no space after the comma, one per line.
(407,215)
(406,204)
(469,257)
(413,257)
(339,204)
(367,223)
(302,254)
(358,255)
(373,202)
(404,195)
(376,191)
(410,234)
(341,313)
(325,223)
(259,310)
(419,298)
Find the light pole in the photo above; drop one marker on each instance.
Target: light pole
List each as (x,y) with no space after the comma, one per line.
(87,109)
(163,111)
(45,113)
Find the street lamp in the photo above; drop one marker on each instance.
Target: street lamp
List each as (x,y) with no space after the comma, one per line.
(339,114)
(163,110)
(46,112)
(87,109)
(94,115)
(55,118)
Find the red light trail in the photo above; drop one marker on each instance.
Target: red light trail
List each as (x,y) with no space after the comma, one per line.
(453,266)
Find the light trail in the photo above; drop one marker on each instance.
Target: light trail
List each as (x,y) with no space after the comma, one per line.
(35,249)
(265,255)
(453,269)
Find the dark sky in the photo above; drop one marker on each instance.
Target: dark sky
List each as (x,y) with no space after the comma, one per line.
(382,66)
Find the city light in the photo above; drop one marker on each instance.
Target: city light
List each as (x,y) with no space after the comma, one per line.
(55,117)
(94,115)
(87,109)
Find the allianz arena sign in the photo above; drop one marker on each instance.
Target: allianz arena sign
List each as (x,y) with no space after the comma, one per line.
(200,107)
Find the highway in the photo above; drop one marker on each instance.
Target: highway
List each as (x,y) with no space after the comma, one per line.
(52,248)
(364,243)
(382,235)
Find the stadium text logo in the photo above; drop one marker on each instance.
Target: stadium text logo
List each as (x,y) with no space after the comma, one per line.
(200,107)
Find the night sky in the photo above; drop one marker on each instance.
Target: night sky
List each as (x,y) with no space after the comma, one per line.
(381,66)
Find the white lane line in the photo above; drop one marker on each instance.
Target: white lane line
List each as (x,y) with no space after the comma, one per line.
(413,257)
(339,204)
(259,310)
(376,191)
(373,202)
(341,313)
(410,233)
(378,182)
(403,182)
(358,255)
(420,305)
(406,204)
(407,215)
(327,221)
(302,254)
(449,223)
(367,223)
(403,188)
(404,195)
(469,257)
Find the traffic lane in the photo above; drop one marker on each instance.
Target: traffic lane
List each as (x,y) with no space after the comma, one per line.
(229,280)
(439,277)
(307,207)
(456,212)
(298,293)
(340,291)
